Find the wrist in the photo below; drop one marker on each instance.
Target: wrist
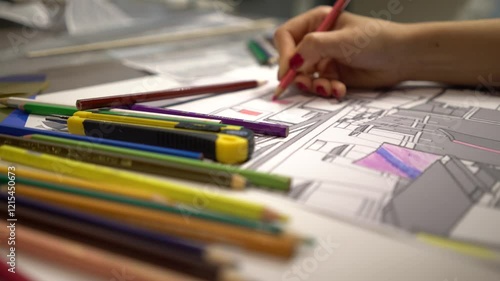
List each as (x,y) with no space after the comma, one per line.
(426,54)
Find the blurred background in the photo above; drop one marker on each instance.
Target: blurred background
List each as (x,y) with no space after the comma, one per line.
(412,11)
(31,26)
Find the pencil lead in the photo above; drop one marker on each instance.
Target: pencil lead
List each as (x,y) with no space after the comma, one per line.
(277,93)
(262,82)
(238,182)
(272,216)
(218,256)
(231,275)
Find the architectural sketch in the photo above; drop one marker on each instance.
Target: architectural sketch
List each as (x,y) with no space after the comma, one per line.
(417,158)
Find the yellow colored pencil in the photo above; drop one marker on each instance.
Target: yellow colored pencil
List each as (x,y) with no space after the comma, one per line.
(196,197)
(76,182)
(281,245)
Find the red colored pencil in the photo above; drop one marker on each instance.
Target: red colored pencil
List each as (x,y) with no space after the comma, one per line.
(327,23)
(5,274)
(131,99)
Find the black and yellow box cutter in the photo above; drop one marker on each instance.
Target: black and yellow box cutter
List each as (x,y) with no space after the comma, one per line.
(223,143)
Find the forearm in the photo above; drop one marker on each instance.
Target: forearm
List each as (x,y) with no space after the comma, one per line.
(463,53)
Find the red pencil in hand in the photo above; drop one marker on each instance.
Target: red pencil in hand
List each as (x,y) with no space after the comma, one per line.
(327,23)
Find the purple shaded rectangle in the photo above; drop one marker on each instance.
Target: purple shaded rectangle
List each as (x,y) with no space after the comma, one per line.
(377,162)
(411,158)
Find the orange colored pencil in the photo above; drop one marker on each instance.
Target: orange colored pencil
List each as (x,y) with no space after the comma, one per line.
(281,245)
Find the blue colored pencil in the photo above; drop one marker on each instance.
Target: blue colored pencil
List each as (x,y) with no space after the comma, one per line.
(201,266)
(188,247)
(23,131)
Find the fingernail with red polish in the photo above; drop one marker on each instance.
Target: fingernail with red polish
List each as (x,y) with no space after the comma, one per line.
(338,96)
(335,94)
(302,87)
(296,61)
(321,91)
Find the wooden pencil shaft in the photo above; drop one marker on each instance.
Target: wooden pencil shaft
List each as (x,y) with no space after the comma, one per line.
(7,275)
(152,115)
(258,53)
(89,259)
(256,225)
(257,178)
(264,128)
(130,99)
(279,245)
(65,180)
(117,243)
(126,162)
(175,192)
(174,243)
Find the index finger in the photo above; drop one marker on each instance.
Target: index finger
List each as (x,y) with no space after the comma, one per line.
(291,33)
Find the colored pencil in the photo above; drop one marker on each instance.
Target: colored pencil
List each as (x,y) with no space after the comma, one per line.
(130,99)
(149,204)
(259,54)
(208,253)
(175,192)
(36,107)
(6,275)
(282,245)
(23,131)
(119,243)
(327,23)
(169,117)
(128,162)
(24,172)
(256,178)
(88,259)
(270,129)
(269,49)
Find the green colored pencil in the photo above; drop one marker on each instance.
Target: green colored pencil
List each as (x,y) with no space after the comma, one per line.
(257,51)
(184,211)
(38,107)
(271,181)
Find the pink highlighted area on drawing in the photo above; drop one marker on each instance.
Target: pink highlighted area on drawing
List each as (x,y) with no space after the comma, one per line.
(399,161)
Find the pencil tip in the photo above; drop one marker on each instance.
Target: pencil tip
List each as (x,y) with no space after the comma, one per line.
(218,256)
(277,93)
(262,82)
(238,182)
(271,216)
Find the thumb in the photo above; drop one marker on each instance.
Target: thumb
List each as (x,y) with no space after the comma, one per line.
(315,47)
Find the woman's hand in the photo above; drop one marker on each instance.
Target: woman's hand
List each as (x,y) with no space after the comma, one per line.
(359,52)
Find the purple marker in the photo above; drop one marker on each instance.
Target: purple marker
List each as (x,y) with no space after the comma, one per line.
(258,127)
